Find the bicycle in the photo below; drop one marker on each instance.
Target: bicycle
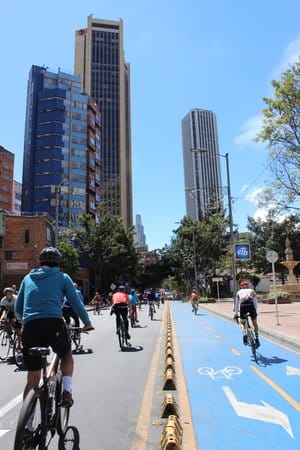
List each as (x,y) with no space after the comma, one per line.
(97,309)
(194,308)
(75,337)
(42,411)
(250,336)
(10,340)
(151,310)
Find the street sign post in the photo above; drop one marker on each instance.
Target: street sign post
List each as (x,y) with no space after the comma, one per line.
(272,257)
(242,251)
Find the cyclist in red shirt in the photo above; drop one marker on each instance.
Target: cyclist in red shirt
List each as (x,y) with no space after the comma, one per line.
(120,303)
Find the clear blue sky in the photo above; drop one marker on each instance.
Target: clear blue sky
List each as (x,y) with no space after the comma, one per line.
(219,55)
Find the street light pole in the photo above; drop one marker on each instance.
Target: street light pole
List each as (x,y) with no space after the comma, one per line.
(226,156)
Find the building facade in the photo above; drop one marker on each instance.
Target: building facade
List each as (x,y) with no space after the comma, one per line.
(201,158)
(7,159)
(17,197)
(21,240)
(55,147)
(139,235)
(100,62)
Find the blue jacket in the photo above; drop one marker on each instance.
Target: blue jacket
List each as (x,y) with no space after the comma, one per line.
(41,295)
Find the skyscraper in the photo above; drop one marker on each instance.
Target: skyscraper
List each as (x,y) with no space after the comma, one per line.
(139,237)
(55,146)
(202,174)
(7,159)
(100,62)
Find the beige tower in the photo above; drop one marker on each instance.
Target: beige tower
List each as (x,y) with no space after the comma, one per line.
(100,61)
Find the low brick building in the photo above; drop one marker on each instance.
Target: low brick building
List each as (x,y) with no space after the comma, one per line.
(21,240)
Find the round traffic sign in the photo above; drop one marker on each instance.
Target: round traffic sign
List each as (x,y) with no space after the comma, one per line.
(272,256)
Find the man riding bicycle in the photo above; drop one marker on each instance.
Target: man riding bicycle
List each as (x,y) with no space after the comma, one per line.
(120,303)
(194,300)
(246,302)
(7,306)
(133,300)
(39,307)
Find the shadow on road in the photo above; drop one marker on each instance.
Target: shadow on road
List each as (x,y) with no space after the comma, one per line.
(264,361)
(135,348)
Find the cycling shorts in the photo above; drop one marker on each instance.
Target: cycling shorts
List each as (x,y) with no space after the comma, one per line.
(44,333)
(247,307)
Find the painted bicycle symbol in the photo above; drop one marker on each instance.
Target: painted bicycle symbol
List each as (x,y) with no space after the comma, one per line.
(227,373)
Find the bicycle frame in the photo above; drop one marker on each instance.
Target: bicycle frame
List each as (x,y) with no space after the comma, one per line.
(250,336)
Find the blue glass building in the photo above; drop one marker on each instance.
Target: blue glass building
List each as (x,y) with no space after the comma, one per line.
(55,146)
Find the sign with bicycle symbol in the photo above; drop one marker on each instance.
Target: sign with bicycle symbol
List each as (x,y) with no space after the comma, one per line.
(225,373)
(242,251)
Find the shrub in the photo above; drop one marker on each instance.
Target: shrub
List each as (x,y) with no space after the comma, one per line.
(279,294)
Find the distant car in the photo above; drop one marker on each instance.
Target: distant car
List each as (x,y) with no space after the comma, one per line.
(169,296)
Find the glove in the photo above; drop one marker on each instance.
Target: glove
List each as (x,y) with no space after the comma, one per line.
(111,311)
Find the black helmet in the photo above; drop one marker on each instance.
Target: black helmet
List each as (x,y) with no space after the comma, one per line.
(121,288)
(50,256)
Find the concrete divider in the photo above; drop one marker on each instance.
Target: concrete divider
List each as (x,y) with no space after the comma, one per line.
(169,406)
(171,438)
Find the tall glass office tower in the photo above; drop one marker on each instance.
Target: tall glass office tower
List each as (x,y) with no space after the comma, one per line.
(55,146)
(99,60)
(202,174)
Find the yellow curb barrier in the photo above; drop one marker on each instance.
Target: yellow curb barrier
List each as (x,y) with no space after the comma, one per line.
(170,363)
(169,380)
(171,438)
(169,407)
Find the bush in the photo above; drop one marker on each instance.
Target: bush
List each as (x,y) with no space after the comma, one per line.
(279,294)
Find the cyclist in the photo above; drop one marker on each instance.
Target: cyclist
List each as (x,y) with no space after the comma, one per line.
(38,306)
(194,300)
(97,300)
(246,302)
(7,305)
(151,300)
(120,303)
(68,310)
(133,300)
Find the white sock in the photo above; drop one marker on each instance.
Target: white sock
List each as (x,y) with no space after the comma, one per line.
(67,383)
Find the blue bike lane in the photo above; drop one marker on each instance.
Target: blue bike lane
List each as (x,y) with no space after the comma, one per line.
(234,401)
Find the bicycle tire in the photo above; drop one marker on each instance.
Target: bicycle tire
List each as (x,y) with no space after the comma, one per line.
(18,352)
(33,406)
(77,340)
(62,414)
(151,312)
(4,345)
(132,321)
(121,333)
(251,341)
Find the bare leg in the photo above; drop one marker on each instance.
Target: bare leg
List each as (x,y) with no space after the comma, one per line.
(33,380)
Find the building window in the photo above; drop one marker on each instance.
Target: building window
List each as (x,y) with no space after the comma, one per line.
(26,236)
(8,255)
(1,242)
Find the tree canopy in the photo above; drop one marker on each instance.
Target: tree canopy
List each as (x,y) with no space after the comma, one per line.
(281,132)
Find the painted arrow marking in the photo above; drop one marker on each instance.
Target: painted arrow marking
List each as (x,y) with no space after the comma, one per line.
(292,370)
(3,432)
(6,408)
(266,413)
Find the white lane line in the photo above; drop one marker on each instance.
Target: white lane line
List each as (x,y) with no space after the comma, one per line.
(10,405)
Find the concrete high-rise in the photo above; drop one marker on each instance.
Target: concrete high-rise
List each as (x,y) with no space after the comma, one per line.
(7,159)
(139,237)
(105,76)
(55,147)
(202,174)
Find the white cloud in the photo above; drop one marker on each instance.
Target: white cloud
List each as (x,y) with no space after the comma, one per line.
(249,131)
(290,56)
(244,188)
(253,125)
(253,196)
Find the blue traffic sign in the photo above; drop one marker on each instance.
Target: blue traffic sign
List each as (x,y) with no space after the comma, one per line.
(242,251)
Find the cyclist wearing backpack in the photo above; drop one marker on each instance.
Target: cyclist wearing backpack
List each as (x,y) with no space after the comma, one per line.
(246,302)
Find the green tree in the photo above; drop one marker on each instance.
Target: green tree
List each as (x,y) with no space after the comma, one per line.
(70,258)
(271,234)
(198,246)
(281,133)
(107,250)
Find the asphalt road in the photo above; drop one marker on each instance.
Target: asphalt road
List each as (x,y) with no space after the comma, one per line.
(233,401)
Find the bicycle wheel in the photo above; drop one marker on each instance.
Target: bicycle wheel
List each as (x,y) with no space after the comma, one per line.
(251,342)
(151,312)
(4,345)
(132,321)
(31,427)
(18,352)
(121,334)
(77,340)
(61,412)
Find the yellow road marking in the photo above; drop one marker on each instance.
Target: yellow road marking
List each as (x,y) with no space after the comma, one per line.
(280,391)
(235,351)
(143,422)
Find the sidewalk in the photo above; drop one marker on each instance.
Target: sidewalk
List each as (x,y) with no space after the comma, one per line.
(283,326)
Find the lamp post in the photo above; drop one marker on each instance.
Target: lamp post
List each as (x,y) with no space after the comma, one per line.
(57,192)
(226,156)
